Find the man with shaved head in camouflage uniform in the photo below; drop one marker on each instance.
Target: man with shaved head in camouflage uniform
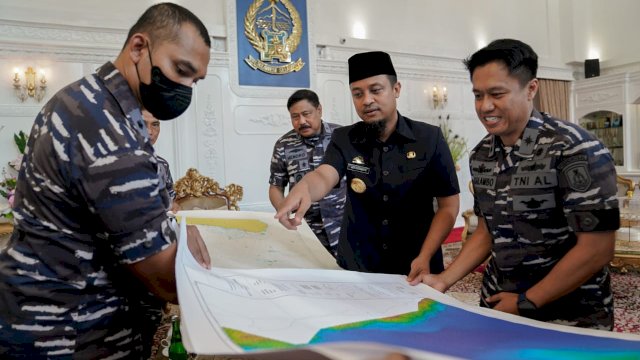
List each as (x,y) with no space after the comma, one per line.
(545,191)
(90,210)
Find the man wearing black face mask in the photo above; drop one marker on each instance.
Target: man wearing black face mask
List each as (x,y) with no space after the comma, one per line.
(164,98)
(89,209)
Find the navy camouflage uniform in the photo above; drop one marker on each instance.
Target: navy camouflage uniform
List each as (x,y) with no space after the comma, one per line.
(151,308)
(293,157)
(88,203)
(382,232)
(165,176)
(557,180)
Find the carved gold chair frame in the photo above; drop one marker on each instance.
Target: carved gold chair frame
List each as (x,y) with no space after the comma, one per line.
(194,186)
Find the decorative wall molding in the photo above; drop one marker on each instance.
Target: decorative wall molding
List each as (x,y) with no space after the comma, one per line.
(601,81)
(210,136)
(606,92)
(270,120)
(621,69)
(76,44)
(37,33)
(261,120)
(337,103)
(598,98)
(334,59)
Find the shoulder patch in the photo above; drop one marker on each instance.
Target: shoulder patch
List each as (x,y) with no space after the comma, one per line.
(577,175)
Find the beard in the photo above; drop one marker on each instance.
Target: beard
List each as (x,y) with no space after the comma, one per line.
(374,129)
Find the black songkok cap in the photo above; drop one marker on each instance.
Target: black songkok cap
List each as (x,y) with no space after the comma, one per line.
(364,65)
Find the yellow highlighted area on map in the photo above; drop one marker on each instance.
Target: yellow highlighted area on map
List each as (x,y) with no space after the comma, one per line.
(250,225)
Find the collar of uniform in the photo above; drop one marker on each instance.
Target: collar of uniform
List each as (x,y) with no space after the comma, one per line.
(402,129)
(524,145)
(119,88)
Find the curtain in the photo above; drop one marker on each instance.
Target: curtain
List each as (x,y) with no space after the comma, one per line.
(553,98)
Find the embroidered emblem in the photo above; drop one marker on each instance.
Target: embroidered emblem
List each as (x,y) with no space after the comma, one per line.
(303,165)
(275,31)
(540,152)
(527,143)
(534,165)
(534,180)
(297,153)
(358,160)
(484,182)
(576,172)
(481,167)
(533,202)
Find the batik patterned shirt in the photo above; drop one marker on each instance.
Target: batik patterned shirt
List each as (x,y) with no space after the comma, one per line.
(534,196)
(293,157)
(88,203)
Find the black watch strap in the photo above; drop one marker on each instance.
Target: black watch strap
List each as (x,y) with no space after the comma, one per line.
(525,306)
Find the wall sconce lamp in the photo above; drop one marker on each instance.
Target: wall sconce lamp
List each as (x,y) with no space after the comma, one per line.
(29,85)
(439,97)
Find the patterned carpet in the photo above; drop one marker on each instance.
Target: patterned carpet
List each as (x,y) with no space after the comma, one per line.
(626,292)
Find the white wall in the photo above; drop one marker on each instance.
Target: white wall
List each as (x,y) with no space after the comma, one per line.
(609,28)
(229,131)
(452,29)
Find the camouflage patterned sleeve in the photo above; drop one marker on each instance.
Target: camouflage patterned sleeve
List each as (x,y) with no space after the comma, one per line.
(115,172)
(278,168)
(472,156)
(169,184)
(333,155)
(587,181)
(165,176)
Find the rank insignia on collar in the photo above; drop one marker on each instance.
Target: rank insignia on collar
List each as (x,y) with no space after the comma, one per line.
(411,154)
(358,160)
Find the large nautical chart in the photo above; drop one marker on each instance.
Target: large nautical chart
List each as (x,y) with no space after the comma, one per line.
(237,310)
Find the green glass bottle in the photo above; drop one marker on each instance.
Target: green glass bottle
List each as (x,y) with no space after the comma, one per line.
(176,348)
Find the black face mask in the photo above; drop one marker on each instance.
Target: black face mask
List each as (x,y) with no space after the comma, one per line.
(164,98)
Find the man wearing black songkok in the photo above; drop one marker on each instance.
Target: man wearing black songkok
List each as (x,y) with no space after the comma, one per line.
(393,165)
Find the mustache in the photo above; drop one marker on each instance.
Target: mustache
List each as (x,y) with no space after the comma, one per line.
(302,127)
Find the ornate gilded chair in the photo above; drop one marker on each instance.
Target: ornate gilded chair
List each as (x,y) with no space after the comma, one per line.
(625,186)
(196,191)
(627,251)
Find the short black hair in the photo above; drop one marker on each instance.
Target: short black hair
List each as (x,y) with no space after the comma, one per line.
(303,94)
(519,58)
(163,21)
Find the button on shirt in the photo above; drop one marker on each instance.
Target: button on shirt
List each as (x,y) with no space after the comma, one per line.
(557,180)
(88,202)
(293,157)
(382,232)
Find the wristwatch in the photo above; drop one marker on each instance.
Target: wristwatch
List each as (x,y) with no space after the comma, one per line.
(526,307)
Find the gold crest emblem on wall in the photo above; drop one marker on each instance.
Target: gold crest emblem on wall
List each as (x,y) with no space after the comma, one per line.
(275,32)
